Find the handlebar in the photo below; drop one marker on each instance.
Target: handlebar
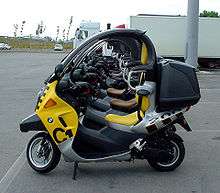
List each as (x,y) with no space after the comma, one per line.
(129,78)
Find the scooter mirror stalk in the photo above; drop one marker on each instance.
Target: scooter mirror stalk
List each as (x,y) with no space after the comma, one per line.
(58,70)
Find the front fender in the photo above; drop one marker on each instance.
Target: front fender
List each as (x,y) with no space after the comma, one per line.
(32,123)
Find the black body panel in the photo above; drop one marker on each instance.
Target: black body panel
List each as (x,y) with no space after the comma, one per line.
(178,85)
(90,143)
(121,137)
(100,105)
(93,123)
(32,123)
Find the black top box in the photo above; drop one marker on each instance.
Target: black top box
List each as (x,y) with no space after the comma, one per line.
(178,85)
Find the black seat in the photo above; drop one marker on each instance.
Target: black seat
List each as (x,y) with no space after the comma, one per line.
(100,105)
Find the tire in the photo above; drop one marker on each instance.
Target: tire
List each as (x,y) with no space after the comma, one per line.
(177,160)
(52,152)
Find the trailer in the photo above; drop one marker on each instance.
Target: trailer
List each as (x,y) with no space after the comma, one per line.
(168,33)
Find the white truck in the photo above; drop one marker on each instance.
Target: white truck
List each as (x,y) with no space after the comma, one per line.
(85,30)
(168,34)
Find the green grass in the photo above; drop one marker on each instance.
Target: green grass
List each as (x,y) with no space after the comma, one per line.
(31,44)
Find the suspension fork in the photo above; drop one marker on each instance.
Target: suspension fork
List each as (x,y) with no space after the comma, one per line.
(44,147)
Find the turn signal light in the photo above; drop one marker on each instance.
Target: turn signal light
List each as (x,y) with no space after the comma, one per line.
(50,103)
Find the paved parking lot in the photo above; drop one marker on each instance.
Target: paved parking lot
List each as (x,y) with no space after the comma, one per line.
(22,75)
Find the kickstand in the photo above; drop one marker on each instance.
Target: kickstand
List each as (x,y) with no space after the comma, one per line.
(76,164)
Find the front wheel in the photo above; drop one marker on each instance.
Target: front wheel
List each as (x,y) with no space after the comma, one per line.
(42,153)
(176,150)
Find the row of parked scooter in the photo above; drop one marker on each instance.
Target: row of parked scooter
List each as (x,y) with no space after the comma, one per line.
(97,108)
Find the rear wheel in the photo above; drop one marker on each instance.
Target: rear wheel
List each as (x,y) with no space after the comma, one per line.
(176,151)
(42,153)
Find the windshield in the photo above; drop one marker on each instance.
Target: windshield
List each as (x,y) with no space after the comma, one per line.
(83,47)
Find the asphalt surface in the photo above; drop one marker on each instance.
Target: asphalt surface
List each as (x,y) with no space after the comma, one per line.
(22,75)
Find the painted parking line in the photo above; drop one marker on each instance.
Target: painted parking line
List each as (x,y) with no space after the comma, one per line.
(12,172)
(212,89)
(208,102)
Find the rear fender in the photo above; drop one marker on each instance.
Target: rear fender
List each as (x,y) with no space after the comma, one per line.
(183,123)
(175,137)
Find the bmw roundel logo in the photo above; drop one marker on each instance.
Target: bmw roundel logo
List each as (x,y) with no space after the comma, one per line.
(50,120)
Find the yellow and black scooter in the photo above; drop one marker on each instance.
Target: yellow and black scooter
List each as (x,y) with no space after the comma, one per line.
(148,134)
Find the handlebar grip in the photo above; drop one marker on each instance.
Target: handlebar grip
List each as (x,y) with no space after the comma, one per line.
(129,80)
(143,92)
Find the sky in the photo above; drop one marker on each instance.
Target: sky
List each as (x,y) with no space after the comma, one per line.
(57,13)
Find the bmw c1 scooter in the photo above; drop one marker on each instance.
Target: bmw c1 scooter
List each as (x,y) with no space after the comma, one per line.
(170,88)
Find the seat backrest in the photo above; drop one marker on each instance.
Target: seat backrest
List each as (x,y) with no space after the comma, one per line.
(144,57)
(145,103)
(144,54)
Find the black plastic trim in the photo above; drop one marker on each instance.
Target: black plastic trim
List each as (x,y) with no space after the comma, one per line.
(143,92)
(32,123)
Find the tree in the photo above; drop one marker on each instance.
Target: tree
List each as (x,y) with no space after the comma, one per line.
(22,27)
(64,34)
(70,24)
(40,28)
(209,14)
(58,31)
(15,30)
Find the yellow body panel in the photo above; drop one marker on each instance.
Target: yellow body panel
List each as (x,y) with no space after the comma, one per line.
(127,120)
(144,54)
(145,103)
(130,119)
(61,120)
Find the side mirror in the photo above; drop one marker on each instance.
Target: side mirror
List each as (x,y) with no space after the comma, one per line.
(90,77)
(58,70)
(76,75)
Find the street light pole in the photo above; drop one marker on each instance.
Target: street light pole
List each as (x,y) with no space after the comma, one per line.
(191,55)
